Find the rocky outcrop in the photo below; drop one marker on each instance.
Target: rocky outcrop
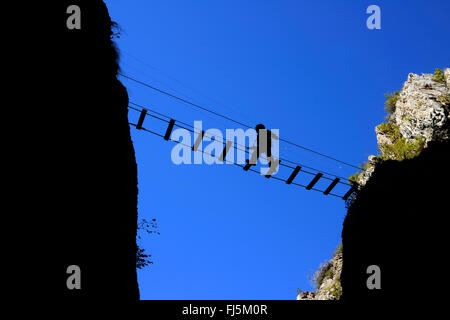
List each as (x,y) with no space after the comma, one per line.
(327,279)
(397,213)
(422,108)
(447,76)
(420,113)
(395,188)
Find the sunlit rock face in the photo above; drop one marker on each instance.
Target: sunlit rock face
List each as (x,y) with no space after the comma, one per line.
(397,213)
(422,110)
(328,281)
(396,191)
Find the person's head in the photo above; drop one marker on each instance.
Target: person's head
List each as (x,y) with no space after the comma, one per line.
(259,127)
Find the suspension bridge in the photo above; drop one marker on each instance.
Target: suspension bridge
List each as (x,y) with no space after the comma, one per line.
(295,167)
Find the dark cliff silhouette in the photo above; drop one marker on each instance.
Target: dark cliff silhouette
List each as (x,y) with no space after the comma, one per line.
(77,187)
(398,222)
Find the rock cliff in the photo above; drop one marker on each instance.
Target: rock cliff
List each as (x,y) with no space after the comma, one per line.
(398,195)
(327,279)
(76,173)
(417,114)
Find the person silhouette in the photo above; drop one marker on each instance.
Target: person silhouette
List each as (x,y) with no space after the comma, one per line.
(264,146)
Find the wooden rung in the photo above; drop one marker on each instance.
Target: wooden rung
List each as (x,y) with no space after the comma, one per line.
(169,129)
(225,150)
(349,192)
(141,119)
(314,181)
(293,175)
(198,141)
(331,186)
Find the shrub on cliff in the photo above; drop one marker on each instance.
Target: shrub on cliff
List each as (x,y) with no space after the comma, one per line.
(149,227)
(322,274)
(445,99)
(354,178)
(338,249)
(389,104)
(390,130)
(439,76)
(402,149)
(363,166)
(142,258)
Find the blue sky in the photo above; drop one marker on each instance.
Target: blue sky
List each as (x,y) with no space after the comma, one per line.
(309,68)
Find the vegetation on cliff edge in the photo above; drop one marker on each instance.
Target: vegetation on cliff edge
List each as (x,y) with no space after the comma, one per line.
(439,76)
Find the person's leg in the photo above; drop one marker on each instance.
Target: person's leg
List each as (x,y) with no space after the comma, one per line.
(254,157)
(273,165)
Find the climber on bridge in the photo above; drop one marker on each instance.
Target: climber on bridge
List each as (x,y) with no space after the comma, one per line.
(264,145)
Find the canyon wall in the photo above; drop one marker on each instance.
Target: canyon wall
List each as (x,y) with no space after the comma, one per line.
(75,189)
(396,219)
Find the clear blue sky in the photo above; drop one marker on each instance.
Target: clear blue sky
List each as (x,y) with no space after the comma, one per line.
(309,68)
